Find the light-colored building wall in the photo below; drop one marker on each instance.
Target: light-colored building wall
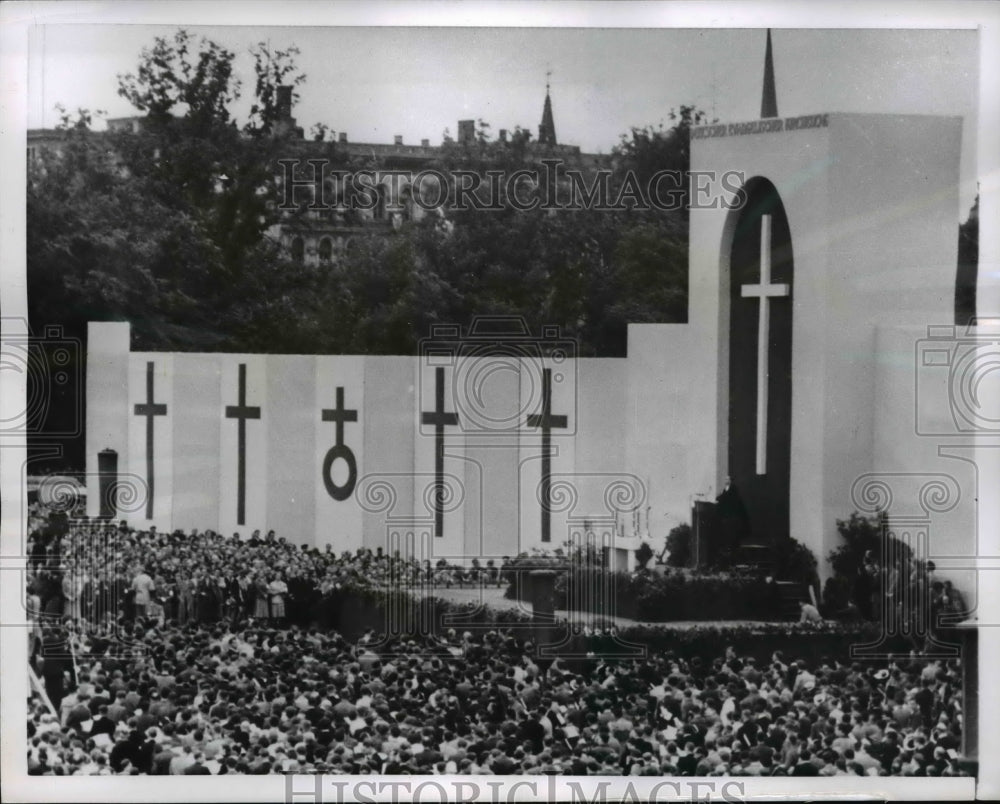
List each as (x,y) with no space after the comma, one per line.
(872,204)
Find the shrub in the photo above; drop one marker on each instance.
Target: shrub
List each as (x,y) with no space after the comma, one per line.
(837,593)
(643,555)
(860,534)
(679,546)
(679,594)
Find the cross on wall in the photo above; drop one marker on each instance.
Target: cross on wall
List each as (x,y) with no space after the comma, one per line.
(241,412)
(764,291)
(150,410)
(547,420)
(440,418)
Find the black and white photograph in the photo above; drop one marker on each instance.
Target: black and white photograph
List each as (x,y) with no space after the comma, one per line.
(430,401)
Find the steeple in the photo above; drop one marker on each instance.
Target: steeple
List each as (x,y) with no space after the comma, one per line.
(547,130)
(769,97)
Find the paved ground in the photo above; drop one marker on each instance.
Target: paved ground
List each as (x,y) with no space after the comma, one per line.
(493,597)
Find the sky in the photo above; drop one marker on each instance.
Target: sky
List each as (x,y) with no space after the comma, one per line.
(374,83)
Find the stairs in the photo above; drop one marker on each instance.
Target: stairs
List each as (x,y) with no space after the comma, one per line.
(790,593)
(759,560)
(755,558)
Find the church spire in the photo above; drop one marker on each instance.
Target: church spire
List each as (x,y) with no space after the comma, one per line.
(547,129)
(769,97)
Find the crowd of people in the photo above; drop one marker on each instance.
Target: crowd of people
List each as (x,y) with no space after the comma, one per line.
(905,588)
(200,699)
(97,572)
(167,654)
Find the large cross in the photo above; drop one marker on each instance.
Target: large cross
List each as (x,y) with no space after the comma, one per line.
(149,409)
(546,420)
(440,419)
(764,291)
(242,412)
(340,415)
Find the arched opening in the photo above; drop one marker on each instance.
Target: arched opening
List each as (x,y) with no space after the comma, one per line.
(760,287)
(325,250)
(298,249)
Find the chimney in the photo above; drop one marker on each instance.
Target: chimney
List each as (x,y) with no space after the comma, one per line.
(425,143)
(466,132)
(342,137)
(398,139)
(284,103)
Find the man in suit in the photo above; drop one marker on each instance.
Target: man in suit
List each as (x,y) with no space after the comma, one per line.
(197,768)
(118,711)
(58,665)
(103,724)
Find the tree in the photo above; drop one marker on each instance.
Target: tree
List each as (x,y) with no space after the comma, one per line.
(590,270)
(173,232)
(168,227)
(170,76)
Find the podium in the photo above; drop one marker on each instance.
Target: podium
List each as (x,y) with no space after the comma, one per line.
(107,470)
(704,532)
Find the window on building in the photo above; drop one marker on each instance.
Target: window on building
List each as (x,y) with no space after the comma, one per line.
(298,249)
(325,250)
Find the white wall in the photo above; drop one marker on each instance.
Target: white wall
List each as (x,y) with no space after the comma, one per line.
(921,457)
(497,476)
(671,420)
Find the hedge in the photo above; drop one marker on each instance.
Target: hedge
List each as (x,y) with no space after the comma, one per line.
(678,594)
(355,611)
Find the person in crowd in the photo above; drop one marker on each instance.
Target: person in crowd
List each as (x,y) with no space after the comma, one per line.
(868,593)
(72,591)
(277,589)
(142,587)
(809,613)
(262,598)
(185,598)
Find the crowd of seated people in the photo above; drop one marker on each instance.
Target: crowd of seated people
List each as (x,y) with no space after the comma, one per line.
(169,654)
(222,699)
